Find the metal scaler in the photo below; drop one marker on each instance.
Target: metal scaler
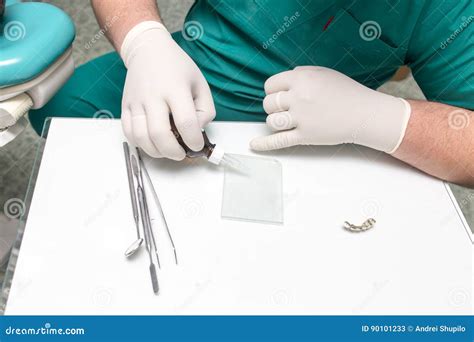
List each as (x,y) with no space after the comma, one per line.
(157,202)
(146,223)
(135,246)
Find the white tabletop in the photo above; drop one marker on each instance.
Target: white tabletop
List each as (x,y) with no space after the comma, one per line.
(417,260)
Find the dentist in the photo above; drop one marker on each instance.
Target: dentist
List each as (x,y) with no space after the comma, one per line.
(308,68)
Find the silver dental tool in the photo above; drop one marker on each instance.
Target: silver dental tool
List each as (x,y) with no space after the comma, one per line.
(138,242)
(157,202)
(150,228)
(146,224)
(147,212)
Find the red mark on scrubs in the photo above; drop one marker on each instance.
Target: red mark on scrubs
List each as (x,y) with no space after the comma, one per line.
(327,24)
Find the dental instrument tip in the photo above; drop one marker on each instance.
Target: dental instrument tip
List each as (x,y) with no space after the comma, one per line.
(175,256)
(154,279)
(157,260)
(134,247)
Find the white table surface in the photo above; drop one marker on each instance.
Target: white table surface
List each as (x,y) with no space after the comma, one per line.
(417,260)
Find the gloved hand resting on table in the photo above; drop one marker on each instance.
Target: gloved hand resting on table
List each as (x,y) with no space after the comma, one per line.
(162,79)
(313,105)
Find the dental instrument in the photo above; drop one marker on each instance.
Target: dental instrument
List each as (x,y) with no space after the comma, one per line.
(147,218)
(138,242)
(150,228)
(157,202)
(146,225)
(154,277)
(213,153)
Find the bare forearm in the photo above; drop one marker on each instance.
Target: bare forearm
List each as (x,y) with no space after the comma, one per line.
(128,14)
(440,141)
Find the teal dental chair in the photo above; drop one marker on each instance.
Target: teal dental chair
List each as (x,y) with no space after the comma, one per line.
(35,60)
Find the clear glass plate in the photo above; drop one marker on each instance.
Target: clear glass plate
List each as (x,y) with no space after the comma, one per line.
(253,190)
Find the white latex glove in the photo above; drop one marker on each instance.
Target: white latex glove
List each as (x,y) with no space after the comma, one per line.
(162,79)
(320,106)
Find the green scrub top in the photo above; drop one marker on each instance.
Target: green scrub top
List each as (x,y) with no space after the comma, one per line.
(239,44)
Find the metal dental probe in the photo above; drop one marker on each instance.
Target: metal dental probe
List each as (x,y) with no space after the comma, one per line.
(150,230)
(147,213)
(138,242)
(154,277)
(158,203)
(146,217)
(146,225)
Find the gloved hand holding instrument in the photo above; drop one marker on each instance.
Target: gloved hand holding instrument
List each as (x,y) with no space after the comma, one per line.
(162,79)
